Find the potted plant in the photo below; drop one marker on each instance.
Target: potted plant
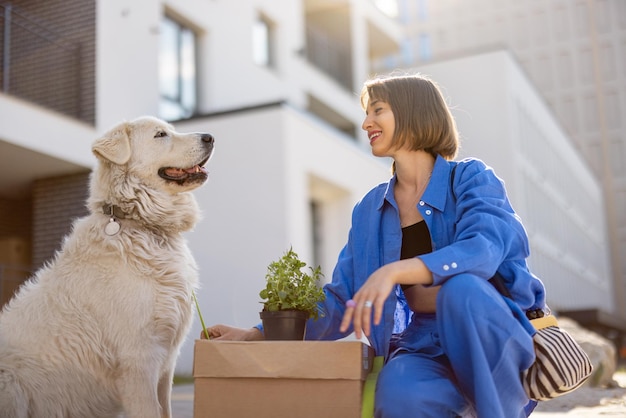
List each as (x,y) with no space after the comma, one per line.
(290,298)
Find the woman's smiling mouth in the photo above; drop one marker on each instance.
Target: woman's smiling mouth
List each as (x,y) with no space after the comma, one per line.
(373,135)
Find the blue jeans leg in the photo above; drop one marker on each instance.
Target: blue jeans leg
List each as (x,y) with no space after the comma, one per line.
(413,385)
(486,346)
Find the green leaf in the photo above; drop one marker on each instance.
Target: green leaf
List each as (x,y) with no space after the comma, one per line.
(288,287)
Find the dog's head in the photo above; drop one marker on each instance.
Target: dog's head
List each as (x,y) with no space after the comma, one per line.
(145,169)
(153,152)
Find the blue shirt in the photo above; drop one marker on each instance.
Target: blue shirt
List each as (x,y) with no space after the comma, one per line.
(474,230)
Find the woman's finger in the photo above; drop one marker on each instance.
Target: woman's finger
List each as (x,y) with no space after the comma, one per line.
(357,319)
(347,316)
(378,310)
(367,316)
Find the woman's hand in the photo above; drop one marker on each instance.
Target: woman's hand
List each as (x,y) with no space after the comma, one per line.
(369,299)
(375,291)
(225,332)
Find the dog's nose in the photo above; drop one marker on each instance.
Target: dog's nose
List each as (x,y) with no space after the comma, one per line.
(208,138)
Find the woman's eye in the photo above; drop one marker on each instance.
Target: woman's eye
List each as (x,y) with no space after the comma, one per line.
(377,110)
(160,134)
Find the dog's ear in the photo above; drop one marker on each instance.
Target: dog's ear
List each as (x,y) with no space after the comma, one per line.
(114,146)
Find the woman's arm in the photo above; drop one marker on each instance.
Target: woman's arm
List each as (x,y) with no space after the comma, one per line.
(487,229)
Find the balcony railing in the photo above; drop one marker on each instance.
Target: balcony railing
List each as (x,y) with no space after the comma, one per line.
(37,64)
(330,56)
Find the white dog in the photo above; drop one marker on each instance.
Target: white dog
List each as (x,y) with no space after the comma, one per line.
(96,332)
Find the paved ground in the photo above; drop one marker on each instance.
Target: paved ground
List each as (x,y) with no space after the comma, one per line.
(582,403)
(588,402)
(182,401)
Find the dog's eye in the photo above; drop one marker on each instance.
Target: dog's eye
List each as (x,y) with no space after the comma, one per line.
(160,134)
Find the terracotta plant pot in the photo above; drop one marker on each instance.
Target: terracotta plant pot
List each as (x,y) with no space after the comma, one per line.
(284,325)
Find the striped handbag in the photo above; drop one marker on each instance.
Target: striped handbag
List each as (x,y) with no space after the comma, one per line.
(561,365)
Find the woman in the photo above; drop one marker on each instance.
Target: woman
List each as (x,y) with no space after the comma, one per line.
(414,274)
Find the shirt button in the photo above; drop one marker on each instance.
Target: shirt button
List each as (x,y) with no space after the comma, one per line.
(446,267)
(421,203)
(453,265)
(428,212)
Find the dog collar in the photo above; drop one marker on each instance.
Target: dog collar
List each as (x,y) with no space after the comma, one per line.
(114,212)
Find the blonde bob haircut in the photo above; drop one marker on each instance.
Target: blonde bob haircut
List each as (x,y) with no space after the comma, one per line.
(423,119)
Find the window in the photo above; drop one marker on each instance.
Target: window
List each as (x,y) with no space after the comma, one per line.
(316,231)
(329,205)
(177,70)
(262,42)
(425,47)
(422,10)
(407,50)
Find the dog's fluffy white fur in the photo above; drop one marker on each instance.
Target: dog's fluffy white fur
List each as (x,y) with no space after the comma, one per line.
(96,332)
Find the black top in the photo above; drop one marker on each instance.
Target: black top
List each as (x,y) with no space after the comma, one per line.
(415,241)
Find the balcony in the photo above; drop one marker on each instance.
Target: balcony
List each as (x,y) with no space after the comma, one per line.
(330,36)
(48,58)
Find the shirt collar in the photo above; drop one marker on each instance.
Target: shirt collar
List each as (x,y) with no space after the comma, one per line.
(388,194)
(435,194)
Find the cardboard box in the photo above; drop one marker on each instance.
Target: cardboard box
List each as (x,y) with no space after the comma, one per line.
(279,378)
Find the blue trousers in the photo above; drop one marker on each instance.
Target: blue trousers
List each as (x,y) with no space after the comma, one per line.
(463,361)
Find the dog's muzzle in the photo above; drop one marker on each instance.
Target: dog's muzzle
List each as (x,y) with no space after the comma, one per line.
(194,174)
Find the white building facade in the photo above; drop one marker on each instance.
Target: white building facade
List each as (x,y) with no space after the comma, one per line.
(276,83)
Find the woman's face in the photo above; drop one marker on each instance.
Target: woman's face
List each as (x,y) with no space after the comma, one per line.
(380,125)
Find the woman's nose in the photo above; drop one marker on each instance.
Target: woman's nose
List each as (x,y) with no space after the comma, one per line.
(366,123)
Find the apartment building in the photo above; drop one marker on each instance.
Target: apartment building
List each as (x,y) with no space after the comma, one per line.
(574,53)
(276,83)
